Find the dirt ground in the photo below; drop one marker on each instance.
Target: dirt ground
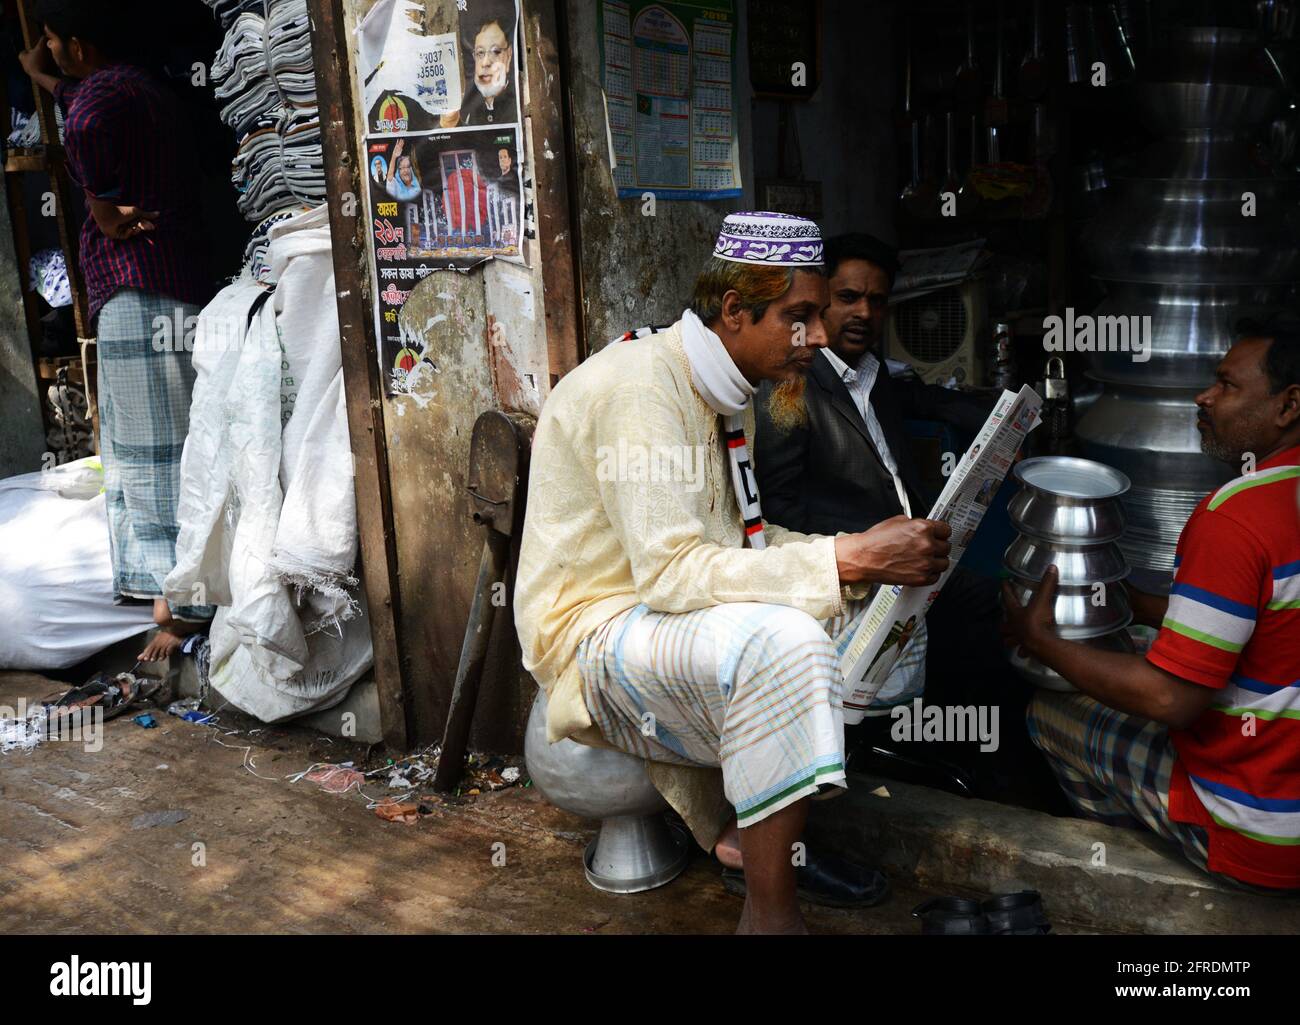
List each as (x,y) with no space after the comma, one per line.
(78,852)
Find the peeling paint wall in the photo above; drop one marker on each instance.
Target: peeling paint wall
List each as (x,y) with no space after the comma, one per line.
(639,270)
(636,270)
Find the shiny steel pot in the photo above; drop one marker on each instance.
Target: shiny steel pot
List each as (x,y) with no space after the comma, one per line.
(1151,230)
(1212,54)
(636,849)
(1077,565)
(1068,500)
(1181,108)
(1078,617)
(1191,329)
(1197,164)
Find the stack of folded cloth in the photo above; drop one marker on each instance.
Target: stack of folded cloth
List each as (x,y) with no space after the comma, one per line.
(266,86)
(280,163)
(226,11)
(245,84)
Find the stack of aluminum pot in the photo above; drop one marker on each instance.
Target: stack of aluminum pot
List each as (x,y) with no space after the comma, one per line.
(1195,232)
(1069,515)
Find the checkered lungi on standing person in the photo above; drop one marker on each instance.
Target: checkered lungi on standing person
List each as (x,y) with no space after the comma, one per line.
(1114,767)
(144,416)
(753,688)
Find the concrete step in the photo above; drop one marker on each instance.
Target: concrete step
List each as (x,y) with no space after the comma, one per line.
(1100,877)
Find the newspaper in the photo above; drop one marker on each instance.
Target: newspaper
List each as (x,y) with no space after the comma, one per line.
(895,612)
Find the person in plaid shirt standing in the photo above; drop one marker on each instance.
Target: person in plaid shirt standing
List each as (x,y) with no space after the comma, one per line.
(142,257)
(1199,740)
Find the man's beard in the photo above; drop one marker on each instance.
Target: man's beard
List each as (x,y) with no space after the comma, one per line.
(1231,446)
(786,407)
(491,92)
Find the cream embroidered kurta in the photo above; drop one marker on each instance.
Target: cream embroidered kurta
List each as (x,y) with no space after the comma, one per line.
(630,501)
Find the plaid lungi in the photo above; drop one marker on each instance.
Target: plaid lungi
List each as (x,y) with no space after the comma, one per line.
(1113,767)
(753,688)
(144,416)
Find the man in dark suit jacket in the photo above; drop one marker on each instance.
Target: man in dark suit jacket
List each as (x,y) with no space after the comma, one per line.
(843,470)
(837,472)
(849,466)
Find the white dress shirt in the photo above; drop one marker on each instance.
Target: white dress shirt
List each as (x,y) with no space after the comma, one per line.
(859,382)
(907,679)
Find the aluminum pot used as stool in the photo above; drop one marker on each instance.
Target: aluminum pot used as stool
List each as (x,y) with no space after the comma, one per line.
(636,848)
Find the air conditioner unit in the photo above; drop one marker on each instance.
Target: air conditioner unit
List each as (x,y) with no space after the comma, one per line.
(942,334)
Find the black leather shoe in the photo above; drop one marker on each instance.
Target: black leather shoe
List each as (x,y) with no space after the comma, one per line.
(826,880)
(1017,914)
(1008,914)
(951,916)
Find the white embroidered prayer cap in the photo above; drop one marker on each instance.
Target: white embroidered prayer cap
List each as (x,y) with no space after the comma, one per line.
(770,240)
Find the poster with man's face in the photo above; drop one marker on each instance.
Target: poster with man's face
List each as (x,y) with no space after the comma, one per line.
(442,149)
(417,79)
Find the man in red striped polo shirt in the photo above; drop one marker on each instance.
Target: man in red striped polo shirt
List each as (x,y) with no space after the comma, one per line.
(1199,740)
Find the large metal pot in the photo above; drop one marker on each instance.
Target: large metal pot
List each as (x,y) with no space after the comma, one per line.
(1068,500)
(1083,612)
(1212,54)
(1160,231)
(1077,565)
(636,849)
(1191,329)
(1182,108)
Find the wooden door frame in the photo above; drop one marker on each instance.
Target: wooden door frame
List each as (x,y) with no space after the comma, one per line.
(349,232)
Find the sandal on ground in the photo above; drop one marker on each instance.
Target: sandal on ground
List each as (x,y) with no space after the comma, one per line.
(113,694)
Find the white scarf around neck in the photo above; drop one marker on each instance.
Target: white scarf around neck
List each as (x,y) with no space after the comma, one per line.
(713,372)
(721,384)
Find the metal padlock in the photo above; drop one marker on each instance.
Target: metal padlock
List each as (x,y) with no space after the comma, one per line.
(1055,387)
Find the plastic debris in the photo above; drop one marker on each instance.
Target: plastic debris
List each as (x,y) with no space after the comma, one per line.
(146,720)
(335,779)
(403,812)
(188,709)
(25,732)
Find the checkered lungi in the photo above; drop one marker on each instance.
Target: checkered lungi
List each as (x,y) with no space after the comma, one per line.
(1113,767)
(753,688)
(144,416)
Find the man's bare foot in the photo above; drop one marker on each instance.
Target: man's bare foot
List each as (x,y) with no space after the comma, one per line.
(163,645)
(171,633)
(727,847)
